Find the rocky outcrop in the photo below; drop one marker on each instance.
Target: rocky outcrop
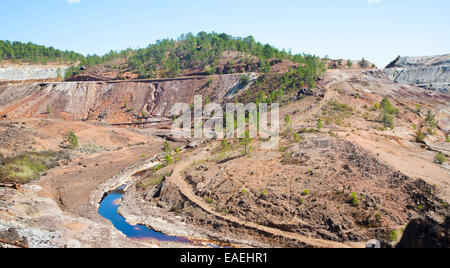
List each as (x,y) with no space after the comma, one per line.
(432,72)
(31,72)
(11,238)
(112,102)
(421,233)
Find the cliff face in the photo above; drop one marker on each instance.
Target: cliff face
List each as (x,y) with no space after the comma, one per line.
(110,102)
(431,72)
(31,72)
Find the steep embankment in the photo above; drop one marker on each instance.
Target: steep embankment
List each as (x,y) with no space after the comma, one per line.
(31,72)
(111,102)
(431,72)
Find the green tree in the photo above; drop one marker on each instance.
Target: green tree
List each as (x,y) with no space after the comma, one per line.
(319,124)
(386,111)
(288,122)
(73,140)
(166,147)
(246,142)
(430,120)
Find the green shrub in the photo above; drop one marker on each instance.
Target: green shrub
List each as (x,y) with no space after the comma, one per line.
(169,160)
(420,137)
(306,192)
(319,124)
(354,200)
(209,82)
(209,70)
(447,138)
(287,120)
(440,158)
(143,155)
(166,147)
(73,140)
(264,194)
(418,108)
(376,107)
(387,107)
(430,121)
(245,80)
(393,236)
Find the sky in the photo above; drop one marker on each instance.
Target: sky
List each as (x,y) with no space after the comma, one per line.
(378,30)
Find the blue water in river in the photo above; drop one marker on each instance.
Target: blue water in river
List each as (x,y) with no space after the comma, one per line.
(108,209)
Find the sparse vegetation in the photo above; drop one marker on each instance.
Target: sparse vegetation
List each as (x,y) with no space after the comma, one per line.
(168,159)
(420,137)
(209,82)
(386,111)
(354,200)
(440,159)
(418,109)
(264,194)
(430,122)
(319,124)
(153,180)
(288,122)
(245,80)
(246,142)
(166,147)
(28,166)
(393,236)
(73,140)
(376,106)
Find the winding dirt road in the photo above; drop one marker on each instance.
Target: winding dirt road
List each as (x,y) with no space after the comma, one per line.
(187,192)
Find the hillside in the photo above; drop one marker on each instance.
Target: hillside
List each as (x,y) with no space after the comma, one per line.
(359,155)
(201,54)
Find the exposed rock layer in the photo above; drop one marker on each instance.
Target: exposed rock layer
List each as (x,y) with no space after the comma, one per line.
(31,72)
(431,72)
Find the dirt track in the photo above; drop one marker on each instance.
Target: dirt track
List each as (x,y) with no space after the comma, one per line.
(186,191)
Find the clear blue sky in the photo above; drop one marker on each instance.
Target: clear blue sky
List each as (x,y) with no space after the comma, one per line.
(378,30)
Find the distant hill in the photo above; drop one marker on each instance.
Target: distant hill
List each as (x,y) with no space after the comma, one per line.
(201,54)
